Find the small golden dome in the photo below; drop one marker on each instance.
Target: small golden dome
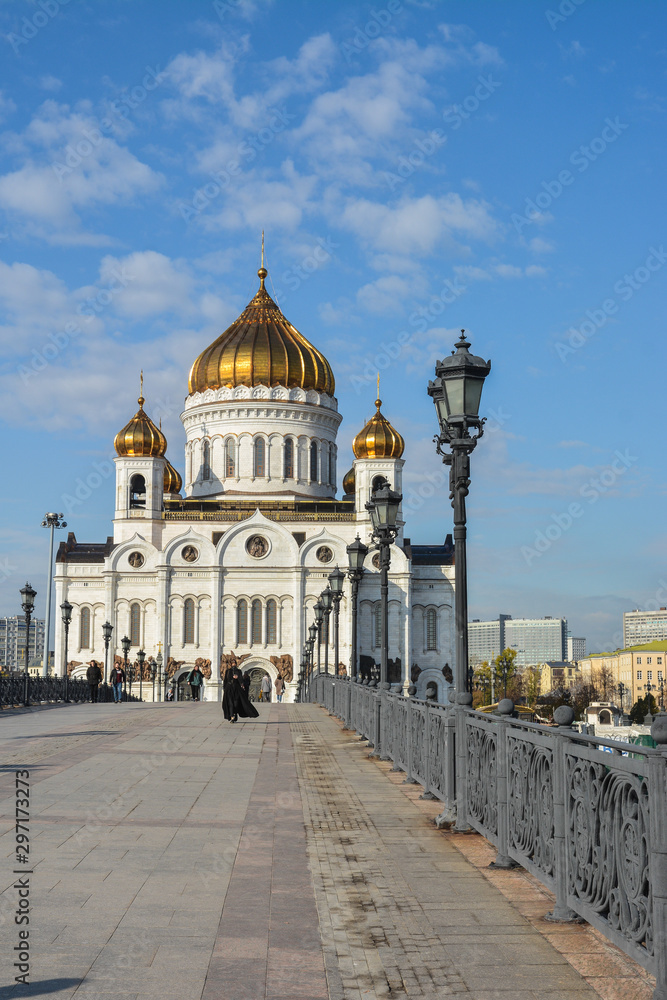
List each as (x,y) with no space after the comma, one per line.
(349,482)
(140,438)
(261,347)
(378,439)
(172,479)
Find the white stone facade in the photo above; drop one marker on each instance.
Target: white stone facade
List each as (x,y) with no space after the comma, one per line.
(238,565)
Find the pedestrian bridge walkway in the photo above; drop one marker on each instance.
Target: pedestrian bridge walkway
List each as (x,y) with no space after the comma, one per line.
(176,856)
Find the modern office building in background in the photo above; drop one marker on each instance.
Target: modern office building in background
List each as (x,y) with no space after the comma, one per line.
(576,649)
(12,641)
(486,640)
(644,626)
(536,640)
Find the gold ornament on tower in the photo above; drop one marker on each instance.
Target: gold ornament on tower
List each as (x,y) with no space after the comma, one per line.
(378,439)
(140,437)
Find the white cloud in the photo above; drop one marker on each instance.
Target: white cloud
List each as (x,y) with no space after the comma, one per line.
(418,225)
(7,106)
(148,284)
(49,82)
(540,245)
(68,166)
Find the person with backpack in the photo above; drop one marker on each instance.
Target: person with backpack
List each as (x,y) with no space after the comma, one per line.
(196,681)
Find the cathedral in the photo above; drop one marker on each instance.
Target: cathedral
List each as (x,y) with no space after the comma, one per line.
(227,566)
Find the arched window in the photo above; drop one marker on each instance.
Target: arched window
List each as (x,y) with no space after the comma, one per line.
(189,621)
(325,463)
(431,629)
(206,459)
(288,465)
(377,626)
(84,628)
(332,465)
(256,625)
(260,457)
(271,623)
(242,623)
(137,491)
(313,462)
(230,458)
(377,482)
(135,624)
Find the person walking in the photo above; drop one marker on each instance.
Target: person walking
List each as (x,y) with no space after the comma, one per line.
(196,681)
(117,681)
(235,701)
(94,677)
(279,688)
(265,688)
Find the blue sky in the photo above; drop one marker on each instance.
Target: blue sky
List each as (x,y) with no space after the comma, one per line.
(462,164)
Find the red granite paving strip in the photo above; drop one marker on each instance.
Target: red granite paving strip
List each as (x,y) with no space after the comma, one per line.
(268,945)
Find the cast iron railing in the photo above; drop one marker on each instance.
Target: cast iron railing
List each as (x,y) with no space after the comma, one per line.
(585,816)
(50,689)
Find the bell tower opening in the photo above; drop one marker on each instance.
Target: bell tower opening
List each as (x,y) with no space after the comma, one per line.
(137,492)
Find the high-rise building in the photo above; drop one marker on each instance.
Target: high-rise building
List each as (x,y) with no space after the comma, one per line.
(12,641)
(644,626)
(537,640)
(576,649)
(486,640)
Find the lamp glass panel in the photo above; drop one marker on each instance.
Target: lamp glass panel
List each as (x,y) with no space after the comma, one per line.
(392,511)
(454,389)
(442,409)
(473,395)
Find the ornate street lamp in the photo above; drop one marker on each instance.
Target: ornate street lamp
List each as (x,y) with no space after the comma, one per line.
(621,693)
(456,392)
(336,581)
(107,630)
(28,596)
(383,508)
(152,665)
(356,553)
(310,644)
(141,657)
(66,612)
(125,644)
(319,615)
(51,521)
(326,597)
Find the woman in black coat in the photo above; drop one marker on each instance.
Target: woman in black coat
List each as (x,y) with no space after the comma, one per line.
(235,701)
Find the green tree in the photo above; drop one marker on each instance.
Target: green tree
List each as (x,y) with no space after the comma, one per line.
(504,668)
(645,706)
(482,684)
(532,681)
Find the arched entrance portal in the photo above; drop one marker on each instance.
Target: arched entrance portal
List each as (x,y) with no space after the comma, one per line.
(256,667)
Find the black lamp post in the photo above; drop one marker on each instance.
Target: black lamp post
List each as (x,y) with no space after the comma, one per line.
(356,553)
(153,669)
(383,508)
(456,392)
(141,657)
(28,596)
(51,521)
(66,612)
(326,597)
(125,644)
(107,631)
(310,644)
(336,581)
(158,663)
(319,615)
(621,693)
(662,695)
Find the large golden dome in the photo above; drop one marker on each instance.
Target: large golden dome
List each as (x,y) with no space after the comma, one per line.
(378,439)
(140,438)
(261,347)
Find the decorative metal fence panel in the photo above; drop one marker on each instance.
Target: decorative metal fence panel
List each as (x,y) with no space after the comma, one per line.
(586,816)
(41,690)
